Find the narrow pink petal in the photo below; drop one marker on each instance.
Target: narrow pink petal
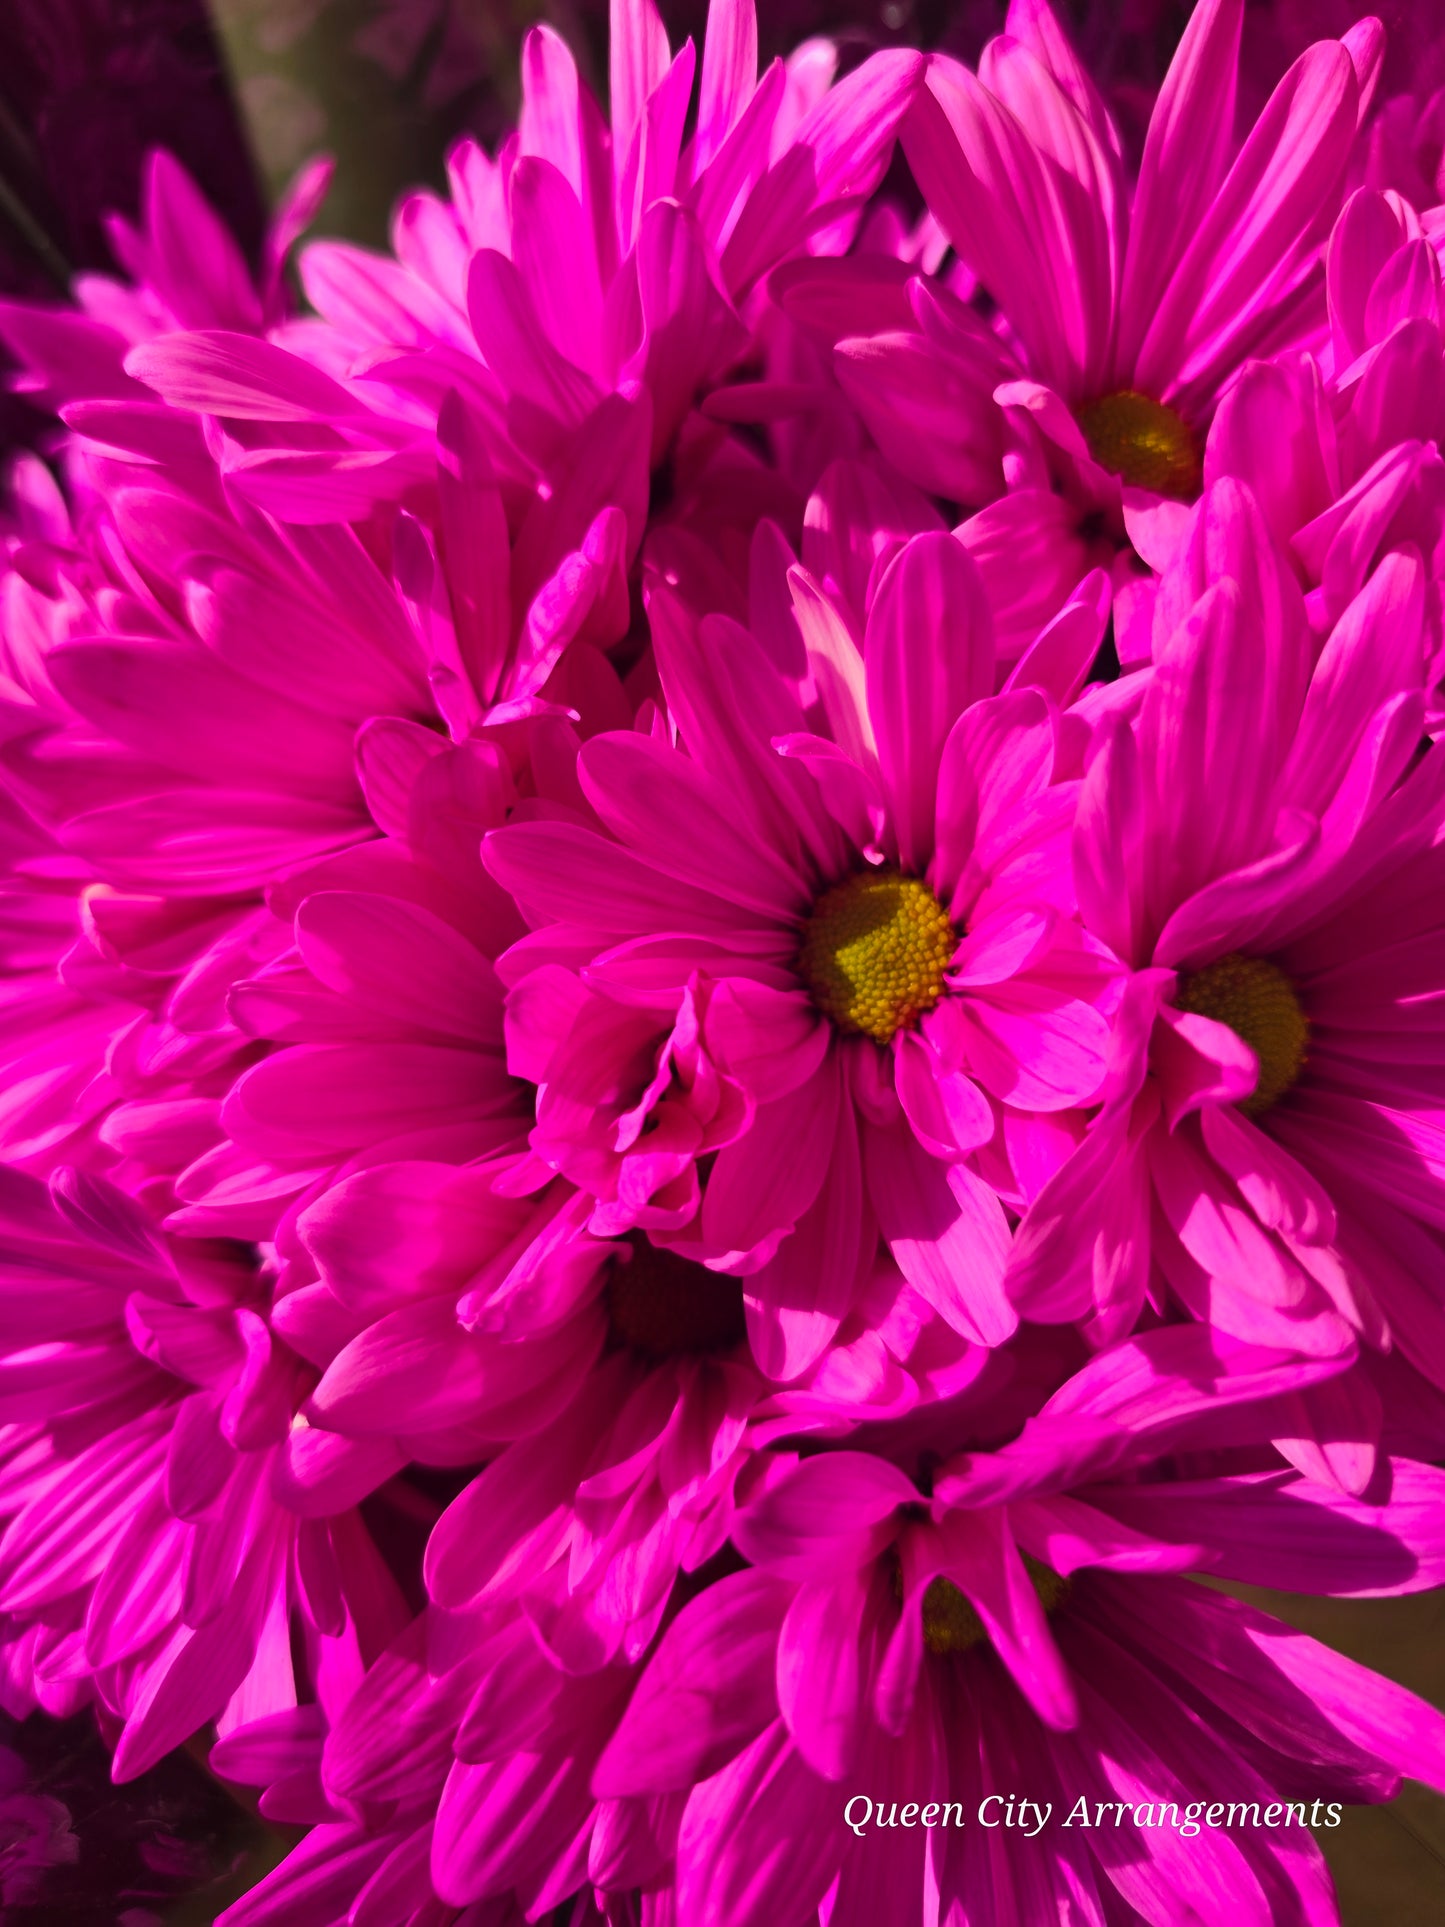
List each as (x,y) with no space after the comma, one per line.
(563,872)
(639,57)
(1186,154)
(1365,236)
(691,334)
(761,1186)
(401,962)
(947,1231)
(371,299)
(984,1562)
(217,373)
(1374,652)
(796,1302)
(663,804)
(759,1840)
(1035,24)
(1068,1534)
(823,1666)
(316,1883)
(1272,432)
(1281,1530)
(840,151)
(1241,251)
(1018,221)
(322,1473)
(474,527)
(831,1514)
(729,74)
(1084,1241)
(510,335)
(928,655)
(1287,1196)
(930,410)
(179,706)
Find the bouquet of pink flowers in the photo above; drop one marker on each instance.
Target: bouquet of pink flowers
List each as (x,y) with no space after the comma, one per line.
(723,1029)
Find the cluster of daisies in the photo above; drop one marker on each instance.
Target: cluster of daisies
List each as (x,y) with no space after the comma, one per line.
(723,1022)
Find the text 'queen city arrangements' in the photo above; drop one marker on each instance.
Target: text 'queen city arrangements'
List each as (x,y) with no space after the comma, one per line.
(1032,1816)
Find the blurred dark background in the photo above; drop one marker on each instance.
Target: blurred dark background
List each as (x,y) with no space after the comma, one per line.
(244,90)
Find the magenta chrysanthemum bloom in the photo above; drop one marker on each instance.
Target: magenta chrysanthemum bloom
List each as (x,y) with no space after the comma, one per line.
(1260,845)
(923,1628)
(587,285)
(155,1555)
(186,270)
(586,1522)
(186,684)
(826,949)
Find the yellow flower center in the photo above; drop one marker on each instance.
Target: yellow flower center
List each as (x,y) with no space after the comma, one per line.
(1259,1004)
(661,1305)
(874,952)
(1143,442)
(950,1624)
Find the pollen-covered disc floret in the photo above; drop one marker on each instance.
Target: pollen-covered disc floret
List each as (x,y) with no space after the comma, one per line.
(950,1623)
(1258,1002)
(663,1306)
(875,952)
(1142,442)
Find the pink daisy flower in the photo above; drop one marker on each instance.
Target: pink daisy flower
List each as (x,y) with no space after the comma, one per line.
(588,1522)
(1258,842)
(1133,312)
(451,1306)
(1125,309)
(184,685)
(1012,1618)
(460,1811)
(821,954)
